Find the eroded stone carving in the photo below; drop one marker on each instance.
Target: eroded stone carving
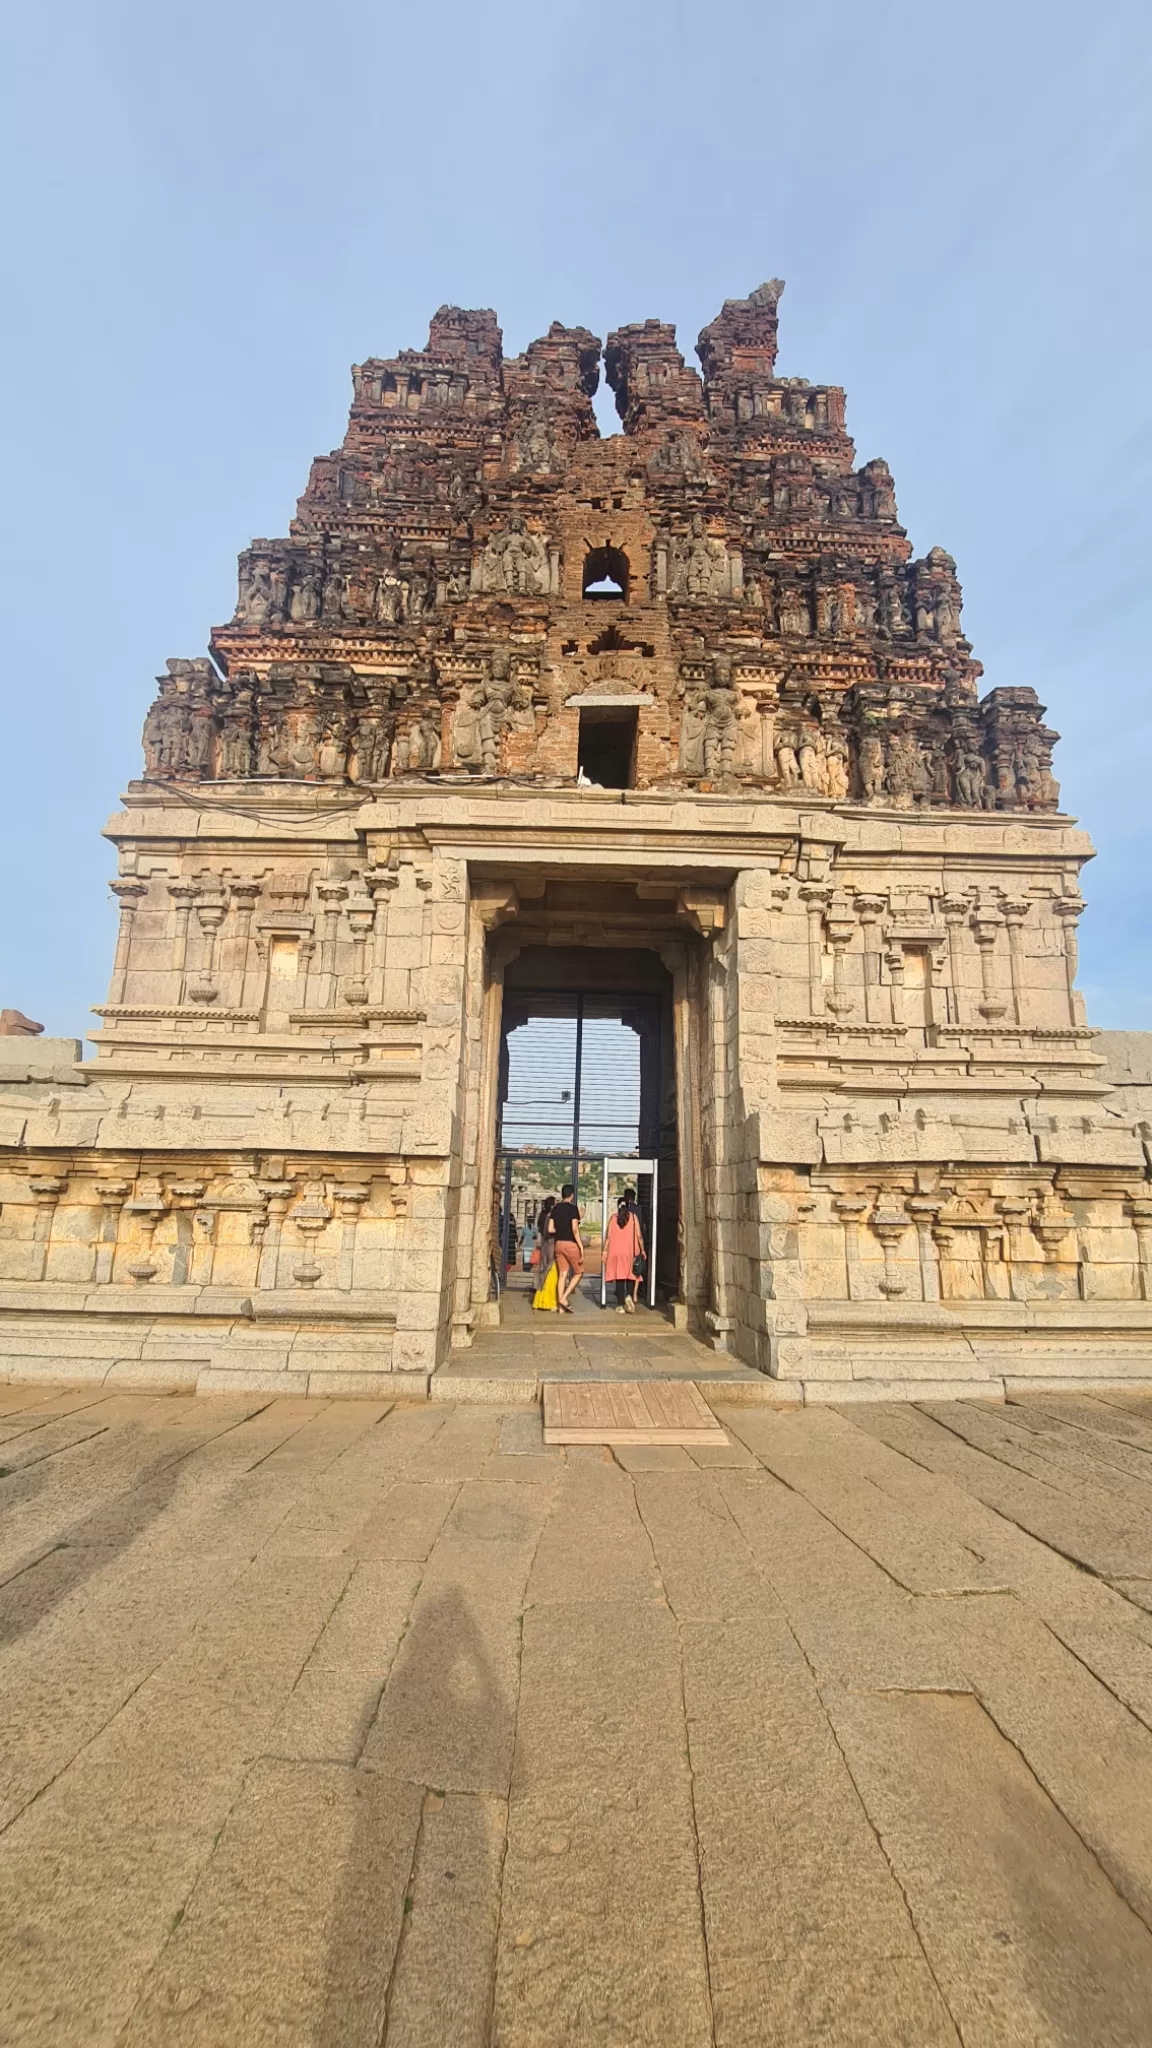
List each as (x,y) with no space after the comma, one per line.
(514,562)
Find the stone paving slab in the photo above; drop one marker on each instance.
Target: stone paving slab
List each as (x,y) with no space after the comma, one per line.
(328,1723)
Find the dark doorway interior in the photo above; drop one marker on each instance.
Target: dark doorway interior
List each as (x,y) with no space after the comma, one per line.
(607,753)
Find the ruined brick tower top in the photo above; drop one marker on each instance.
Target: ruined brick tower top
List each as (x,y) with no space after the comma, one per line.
(477,585)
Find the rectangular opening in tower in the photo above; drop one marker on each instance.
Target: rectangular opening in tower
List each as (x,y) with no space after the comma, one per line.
(607,754)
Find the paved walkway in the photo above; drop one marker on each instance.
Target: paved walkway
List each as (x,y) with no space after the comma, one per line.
(338,1725)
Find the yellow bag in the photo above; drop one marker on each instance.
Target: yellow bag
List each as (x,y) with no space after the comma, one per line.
(545,1295)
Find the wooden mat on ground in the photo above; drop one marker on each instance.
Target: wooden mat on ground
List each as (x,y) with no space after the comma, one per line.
(628,1412)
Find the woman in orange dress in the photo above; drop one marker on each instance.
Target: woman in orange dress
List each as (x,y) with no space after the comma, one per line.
(623,1245)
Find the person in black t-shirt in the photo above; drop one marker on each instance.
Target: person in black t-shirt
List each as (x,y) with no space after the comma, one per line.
(565,1232)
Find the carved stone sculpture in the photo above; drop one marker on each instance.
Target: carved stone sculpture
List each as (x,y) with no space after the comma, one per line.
(693,728)
(720,734)
(14,1024)
(698,565)
(971,783)
(515,562)
(423,747)
(872,766)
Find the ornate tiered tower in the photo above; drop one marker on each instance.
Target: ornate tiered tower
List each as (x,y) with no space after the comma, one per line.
(516,708)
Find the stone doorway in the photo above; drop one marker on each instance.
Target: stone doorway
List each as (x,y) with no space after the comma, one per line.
(586,1070)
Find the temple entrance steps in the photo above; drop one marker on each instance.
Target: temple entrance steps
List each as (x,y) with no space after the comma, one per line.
(510,1364)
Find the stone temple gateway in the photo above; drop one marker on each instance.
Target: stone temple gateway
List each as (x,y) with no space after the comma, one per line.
(669,726)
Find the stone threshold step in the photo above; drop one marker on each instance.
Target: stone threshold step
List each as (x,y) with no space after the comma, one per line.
(496,1389)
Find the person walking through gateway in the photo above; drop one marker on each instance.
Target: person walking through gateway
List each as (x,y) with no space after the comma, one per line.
(569,1248)
(623,1248)
(545,1295)
(641,1260)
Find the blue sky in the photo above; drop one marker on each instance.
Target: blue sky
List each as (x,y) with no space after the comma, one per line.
(214,211)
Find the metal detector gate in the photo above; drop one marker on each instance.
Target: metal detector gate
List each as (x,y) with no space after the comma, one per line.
(632,1169)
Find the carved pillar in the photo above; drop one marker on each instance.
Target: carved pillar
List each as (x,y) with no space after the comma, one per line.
(692,1252)
(277,1195)
(994,1270)
(310,1217)
(894,961)
(244,896)
(1017,1212)
(851,1209)
(840,926)
(349,1199)
(203,1247)
(1140,1210)
(183,895)
(361,914)
(890,1221)
(944,1238)
(1015,909)
(46,1190)
(380,883)
(332,895)
(111,1195)
(816,898)
(1069,910)
(184,1196)
(149,1205)
(129,894)
(492,904)
(869,909)
(924,1210)
(986,923)
(766,705)
(1051,1224)
(210,916)
(954,910)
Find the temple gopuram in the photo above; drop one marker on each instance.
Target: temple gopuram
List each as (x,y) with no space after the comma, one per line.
(558,802)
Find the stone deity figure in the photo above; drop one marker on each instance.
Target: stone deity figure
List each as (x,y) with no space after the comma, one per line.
(423,747)
(907,773)
(872,766)
(302,748)
(468,727)
(373,746)
(332,753)
(971,786)
(337,595)
(693,723)
(515,562)
(389,598)
(699,566)
(836,769)
(720,734)
(795,616)
(236,738)
(304,603)
(254,605)
(787,764)
(273,748)
(892,610)
(750,737)
(164,734)
(1035,783)
(199,738)
(811,760)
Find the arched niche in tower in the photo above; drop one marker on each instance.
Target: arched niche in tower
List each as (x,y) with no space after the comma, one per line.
(605,574)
